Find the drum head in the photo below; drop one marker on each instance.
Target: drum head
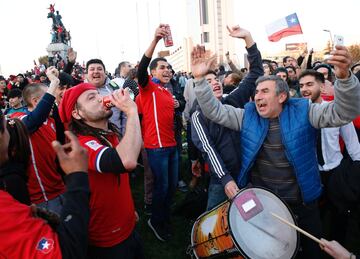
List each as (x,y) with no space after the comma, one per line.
(262,236)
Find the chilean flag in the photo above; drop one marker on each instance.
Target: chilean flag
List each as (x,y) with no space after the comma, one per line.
(284,27)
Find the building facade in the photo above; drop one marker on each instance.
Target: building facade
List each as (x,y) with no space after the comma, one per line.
(206,25)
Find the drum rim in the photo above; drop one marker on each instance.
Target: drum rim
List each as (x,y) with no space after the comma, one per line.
(287,206)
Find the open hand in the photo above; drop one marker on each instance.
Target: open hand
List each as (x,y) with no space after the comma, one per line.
(72,54)
(199,63)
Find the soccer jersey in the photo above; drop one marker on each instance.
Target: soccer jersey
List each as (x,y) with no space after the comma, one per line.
(44,181)
(112,213)
(156,104)
(23,236)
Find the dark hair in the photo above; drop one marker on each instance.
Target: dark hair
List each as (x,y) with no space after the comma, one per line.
(310,72)
(210,72)
(19,145)
(269,65)
(236,78)
(291,67)
(154,62)
(30,90)
(285,59)
(16,92)
(328,67)
(2,78)
(95,61)
(280,85)
(122,63)
(274,62)
(79,127)
(316,63)
(133,73)
(281,69)
(354,66)
(65,79)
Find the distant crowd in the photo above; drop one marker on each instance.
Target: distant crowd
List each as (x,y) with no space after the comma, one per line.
(71,134)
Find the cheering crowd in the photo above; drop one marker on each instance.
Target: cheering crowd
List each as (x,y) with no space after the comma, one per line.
(69,142)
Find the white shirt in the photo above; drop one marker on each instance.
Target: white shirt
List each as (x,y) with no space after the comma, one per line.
(119,81)
(330,145)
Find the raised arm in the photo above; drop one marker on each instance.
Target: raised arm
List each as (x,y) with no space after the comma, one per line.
(72,54)
(142,74)
(212,108)
(130,145)
(241,95)
(34,119)
(346,105)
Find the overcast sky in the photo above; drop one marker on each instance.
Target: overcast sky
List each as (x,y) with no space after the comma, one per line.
(121,29)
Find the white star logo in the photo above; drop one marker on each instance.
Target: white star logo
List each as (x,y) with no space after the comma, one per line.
(45,245)
(293,20)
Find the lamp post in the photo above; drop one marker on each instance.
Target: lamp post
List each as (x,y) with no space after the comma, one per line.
(331,38)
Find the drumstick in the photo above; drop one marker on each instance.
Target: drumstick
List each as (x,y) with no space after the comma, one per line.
(297,228)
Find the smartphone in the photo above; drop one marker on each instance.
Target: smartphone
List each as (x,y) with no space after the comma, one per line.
(338,40)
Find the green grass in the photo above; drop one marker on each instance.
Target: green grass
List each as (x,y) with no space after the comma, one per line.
(154,249)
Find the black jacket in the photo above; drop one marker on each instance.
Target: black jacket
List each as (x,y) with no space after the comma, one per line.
(13,180)
(220,147)
(246,89)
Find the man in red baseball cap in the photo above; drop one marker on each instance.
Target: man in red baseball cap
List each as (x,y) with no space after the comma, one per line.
(111,157)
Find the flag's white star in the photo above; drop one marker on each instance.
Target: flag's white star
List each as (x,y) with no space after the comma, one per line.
(45,245)
(293,20)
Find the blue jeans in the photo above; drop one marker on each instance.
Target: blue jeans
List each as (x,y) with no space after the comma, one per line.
(216,195)
(164,166)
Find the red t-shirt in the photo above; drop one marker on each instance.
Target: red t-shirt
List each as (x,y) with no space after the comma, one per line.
(156,104)
(22,235)
(112,213)
(44,181)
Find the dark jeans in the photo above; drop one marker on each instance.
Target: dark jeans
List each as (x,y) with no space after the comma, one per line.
(178,139)
(308,218)
(216,195)
(131,248)
(164,166)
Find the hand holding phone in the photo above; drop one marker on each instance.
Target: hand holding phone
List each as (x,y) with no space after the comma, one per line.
(338,40)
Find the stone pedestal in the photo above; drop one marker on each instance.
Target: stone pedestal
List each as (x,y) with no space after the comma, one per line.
(60,48)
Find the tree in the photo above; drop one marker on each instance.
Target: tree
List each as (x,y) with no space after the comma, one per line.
(44,60)
(355,52)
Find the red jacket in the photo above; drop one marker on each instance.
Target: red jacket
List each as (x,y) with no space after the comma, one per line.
(22,235)
(156,104)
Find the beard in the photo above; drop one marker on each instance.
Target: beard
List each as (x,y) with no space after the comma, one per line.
(98,116)
(315,96)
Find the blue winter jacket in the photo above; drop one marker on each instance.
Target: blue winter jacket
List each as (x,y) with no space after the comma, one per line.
(299,140)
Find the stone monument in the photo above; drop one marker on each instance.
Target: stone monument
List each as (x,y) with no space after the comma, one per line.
(60,39)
